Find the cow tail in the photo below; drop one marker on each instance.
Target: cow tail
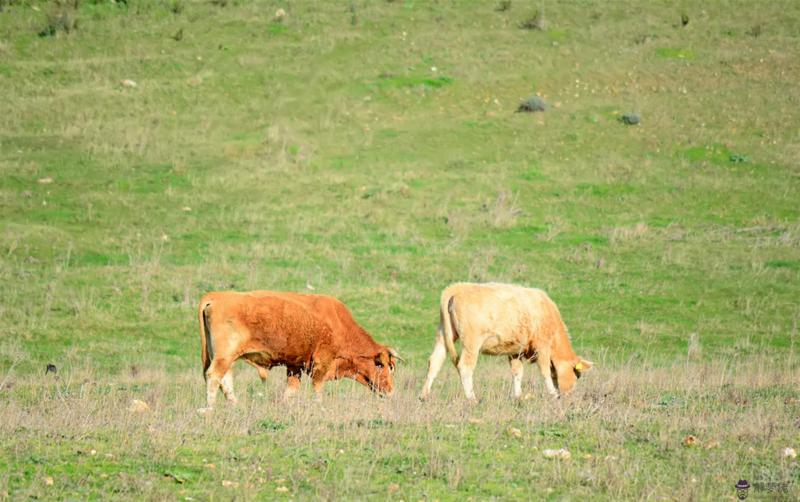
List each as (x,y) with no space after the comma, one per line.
(448,327)
(206,342)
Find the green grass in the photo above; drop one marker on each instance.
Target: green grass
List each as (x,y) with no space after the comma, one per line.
(372,152)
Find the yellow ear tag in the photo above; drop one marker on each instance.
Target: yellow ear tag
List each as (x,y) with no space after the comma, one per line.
(579,367)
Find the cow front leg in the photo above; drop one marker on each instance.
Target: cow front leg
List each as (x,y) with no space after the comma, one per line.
(263,372)
(318,378)
(517,370)
(544,368)
(434,363)
(466,367)
(292,381)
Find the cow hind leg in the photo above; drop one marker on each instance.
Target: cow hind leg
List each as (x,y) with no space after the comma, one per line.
(435,363)
(215,373)
(517,370)
(466,368)
(227,387)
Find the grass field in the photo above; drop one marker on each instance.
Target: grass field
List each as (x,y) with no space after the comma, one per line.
(155,149)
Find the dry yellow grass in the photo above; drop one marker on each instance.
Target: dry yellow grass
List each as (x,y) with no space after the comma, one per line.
(624,429)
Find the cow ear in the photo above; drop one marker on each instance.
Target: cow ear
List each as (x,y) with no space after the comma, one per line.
(582,366)
(382,358)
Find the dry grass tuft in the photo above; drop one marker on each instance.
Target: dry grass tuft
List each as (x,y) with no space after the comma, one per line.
(503,211)
(627,234)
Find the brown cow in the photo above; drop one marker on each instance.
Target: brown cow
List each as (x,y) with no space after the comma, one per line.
(313,334)
(504,319)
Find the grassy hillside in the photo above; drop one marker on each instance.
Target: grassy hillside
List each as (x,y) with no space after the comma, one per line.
(153,150)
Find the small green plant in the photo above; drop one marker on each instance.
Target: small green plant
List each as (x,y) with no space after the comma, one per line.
(535,22)
(503,6)
(267,425)
(61,19)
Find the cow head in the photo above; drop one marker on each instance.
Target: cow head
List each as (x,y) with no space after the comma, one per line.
(565,373)
(377,371)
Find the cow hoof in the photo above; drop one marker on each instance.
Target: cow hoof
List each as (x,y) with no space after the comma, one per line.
(205,411)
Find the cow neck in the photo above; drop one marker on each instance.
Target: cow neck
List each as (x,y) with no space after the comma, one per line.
(359,343)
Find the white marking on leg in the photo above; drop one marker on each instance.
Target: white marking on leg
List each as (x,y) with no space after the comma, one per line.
(227,387)
(466,382)
(435,363)
(212,387)
(517,370)
(466,367)
(544,369)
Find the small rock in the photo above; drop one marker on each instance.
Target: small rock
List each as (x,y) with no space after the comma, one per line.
(475,421)
(48,480)
(229,484)
(186,209)
(281,489)
(138,406)
(309,286)
(532,104)
(630,118)
(280,15)
(561,454)
(789,452)
(514,432)
(129,83)
(393,488)
(45,181)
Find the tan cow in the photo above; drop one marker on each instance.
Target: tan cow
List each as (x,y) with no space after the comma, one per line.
(504,319)
(314,334)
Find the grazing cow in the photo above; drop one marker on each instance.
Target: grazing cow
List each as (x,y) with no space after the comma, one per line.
(503,319)
(313,334)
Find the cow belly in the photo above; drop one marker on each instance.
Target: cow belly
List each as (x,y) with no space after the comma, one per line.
(495,346)
(259,359)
